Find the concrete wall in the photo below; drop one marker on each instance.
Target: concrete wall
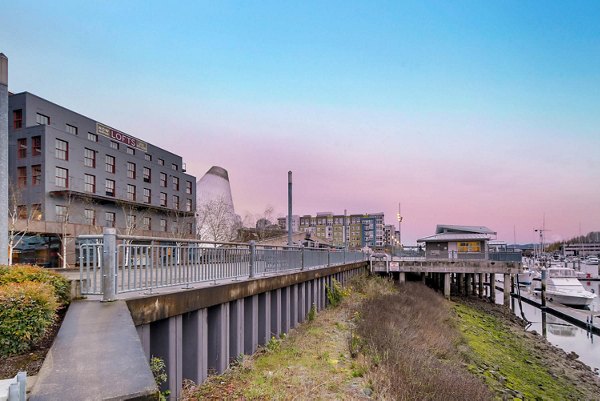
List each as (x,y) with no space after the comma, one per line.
(200,331)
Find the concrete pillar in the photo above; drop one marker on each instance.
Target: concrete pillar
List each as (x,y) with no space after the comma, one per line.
(294,294)
(460,283)
(506,291)
(195,348)
(480,285)
(423,278)
(474,284)
(315,294)
(236,328)
(401,277)
(250,324)
(492,287)
(166,343)
(301,302)
(218,337)
(467,284)
(308,298)
(446,285)
(4,159)
(264,317)
(276,312)
(285,309)
(144,335)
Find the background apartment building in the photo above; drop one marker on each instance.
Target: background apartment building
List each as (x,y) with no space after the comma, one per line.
(354,231)
(72,175)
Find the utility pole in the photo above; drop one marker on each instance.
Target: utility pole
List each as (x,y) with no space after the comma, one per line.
(289,208)
(3,159)
(400,224)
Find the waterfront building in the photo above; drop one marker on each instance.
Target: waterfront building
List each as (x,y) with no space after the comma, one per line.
(458,242)
(73,175)
(282,222)
(581,249)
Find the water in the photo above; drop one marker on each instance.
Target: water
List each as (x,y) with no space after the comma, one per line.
(562,334)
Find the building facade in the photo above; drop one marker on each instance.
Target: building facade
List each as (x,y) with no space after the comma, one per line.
(354,231)
(73,175)
(282,222)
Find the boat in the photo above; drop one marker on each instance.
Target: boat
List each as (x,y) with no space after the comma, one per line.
(591,260)
(525,278)
(562,286)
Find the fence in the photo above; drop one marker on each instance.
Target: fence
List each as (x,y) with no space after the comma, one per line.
(145,263)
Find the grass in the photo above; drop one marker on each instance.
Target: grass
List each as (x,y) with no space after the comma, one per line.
(504,360)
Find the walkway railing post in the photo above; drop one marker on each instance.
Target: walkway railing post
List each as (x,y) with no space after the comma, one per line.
(252,246)
(109,264)
(328,257)
(302,258)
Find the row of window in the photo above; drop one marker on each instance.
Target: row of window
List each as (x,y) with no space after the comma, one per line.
(62,180)
(42,119)
(89,218)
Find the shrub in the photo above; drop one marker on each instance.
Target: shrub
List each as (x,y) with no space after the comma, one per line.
(24,273)
(26,310)
(336,293)
(312,313)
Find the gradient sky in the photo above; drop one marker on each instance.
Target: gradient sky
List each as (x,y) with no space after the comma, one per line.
(467,112)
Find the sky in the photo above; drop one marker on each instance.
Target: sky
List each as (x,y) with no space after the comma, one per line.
(465,112)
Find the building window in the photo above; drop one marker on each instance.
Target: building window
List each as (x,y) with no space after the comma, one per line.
(42,119)
(131,192)
(114,145)
(147,223)
(161,162)
(62,177)
(175,183)
(188,187)
(36,145)
(71,129)
(61,150)
(89,158)
(174,167)
(89,216)
(17,119)
(22,148)
(90,183)
(163,180)
(36,211)
(92,137)
(109,218)
(109,164)
(36,174)
(148,157)
(110,187)
(175,202)
(130,151)
(147,175)
(62,214)
(188,205)
(130,170)
(21,177)
(130,221)
(163,225)
(147,195)
(163,199)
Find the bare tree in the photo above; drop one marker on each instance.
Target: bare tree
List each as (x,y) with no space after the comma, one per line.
(20,216)
(216,221)
(65,236)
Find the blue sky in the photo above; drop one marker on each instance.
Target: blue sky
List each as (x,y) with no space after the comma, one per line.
(467,112)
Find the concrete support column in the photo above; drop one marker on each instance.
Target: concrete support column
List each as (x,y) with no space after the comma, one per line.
(294,294)
(285,309)
(467,284)
(474,284)
(315,294)
(423,278)
(218,337)
(143,332)
(309,298)
(446,285)
(401,277)
(250,324)
(166,343)
(195,345)
(301,302)
(276,312)
(236,328)
(492,287)
(264,317)
(460,283)
(506,291)
(480,285)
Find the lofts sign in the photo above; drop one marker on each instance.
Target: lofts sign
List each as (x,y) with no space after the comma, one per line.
(119,136)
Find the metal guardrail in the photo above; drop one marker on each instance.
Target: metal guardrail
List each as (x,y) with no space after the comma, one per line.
(112,264)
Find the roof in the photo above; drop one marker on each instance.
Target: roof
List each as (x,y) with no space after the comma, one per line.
(455,237)
(447,228)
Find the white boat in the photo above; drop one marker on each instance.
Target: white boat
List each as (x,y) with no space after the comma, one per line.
(562,286)
(591,260)
(526,277)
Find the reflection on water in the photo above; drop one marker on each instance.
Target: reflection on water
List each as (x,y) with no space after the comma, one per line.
(562,334)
